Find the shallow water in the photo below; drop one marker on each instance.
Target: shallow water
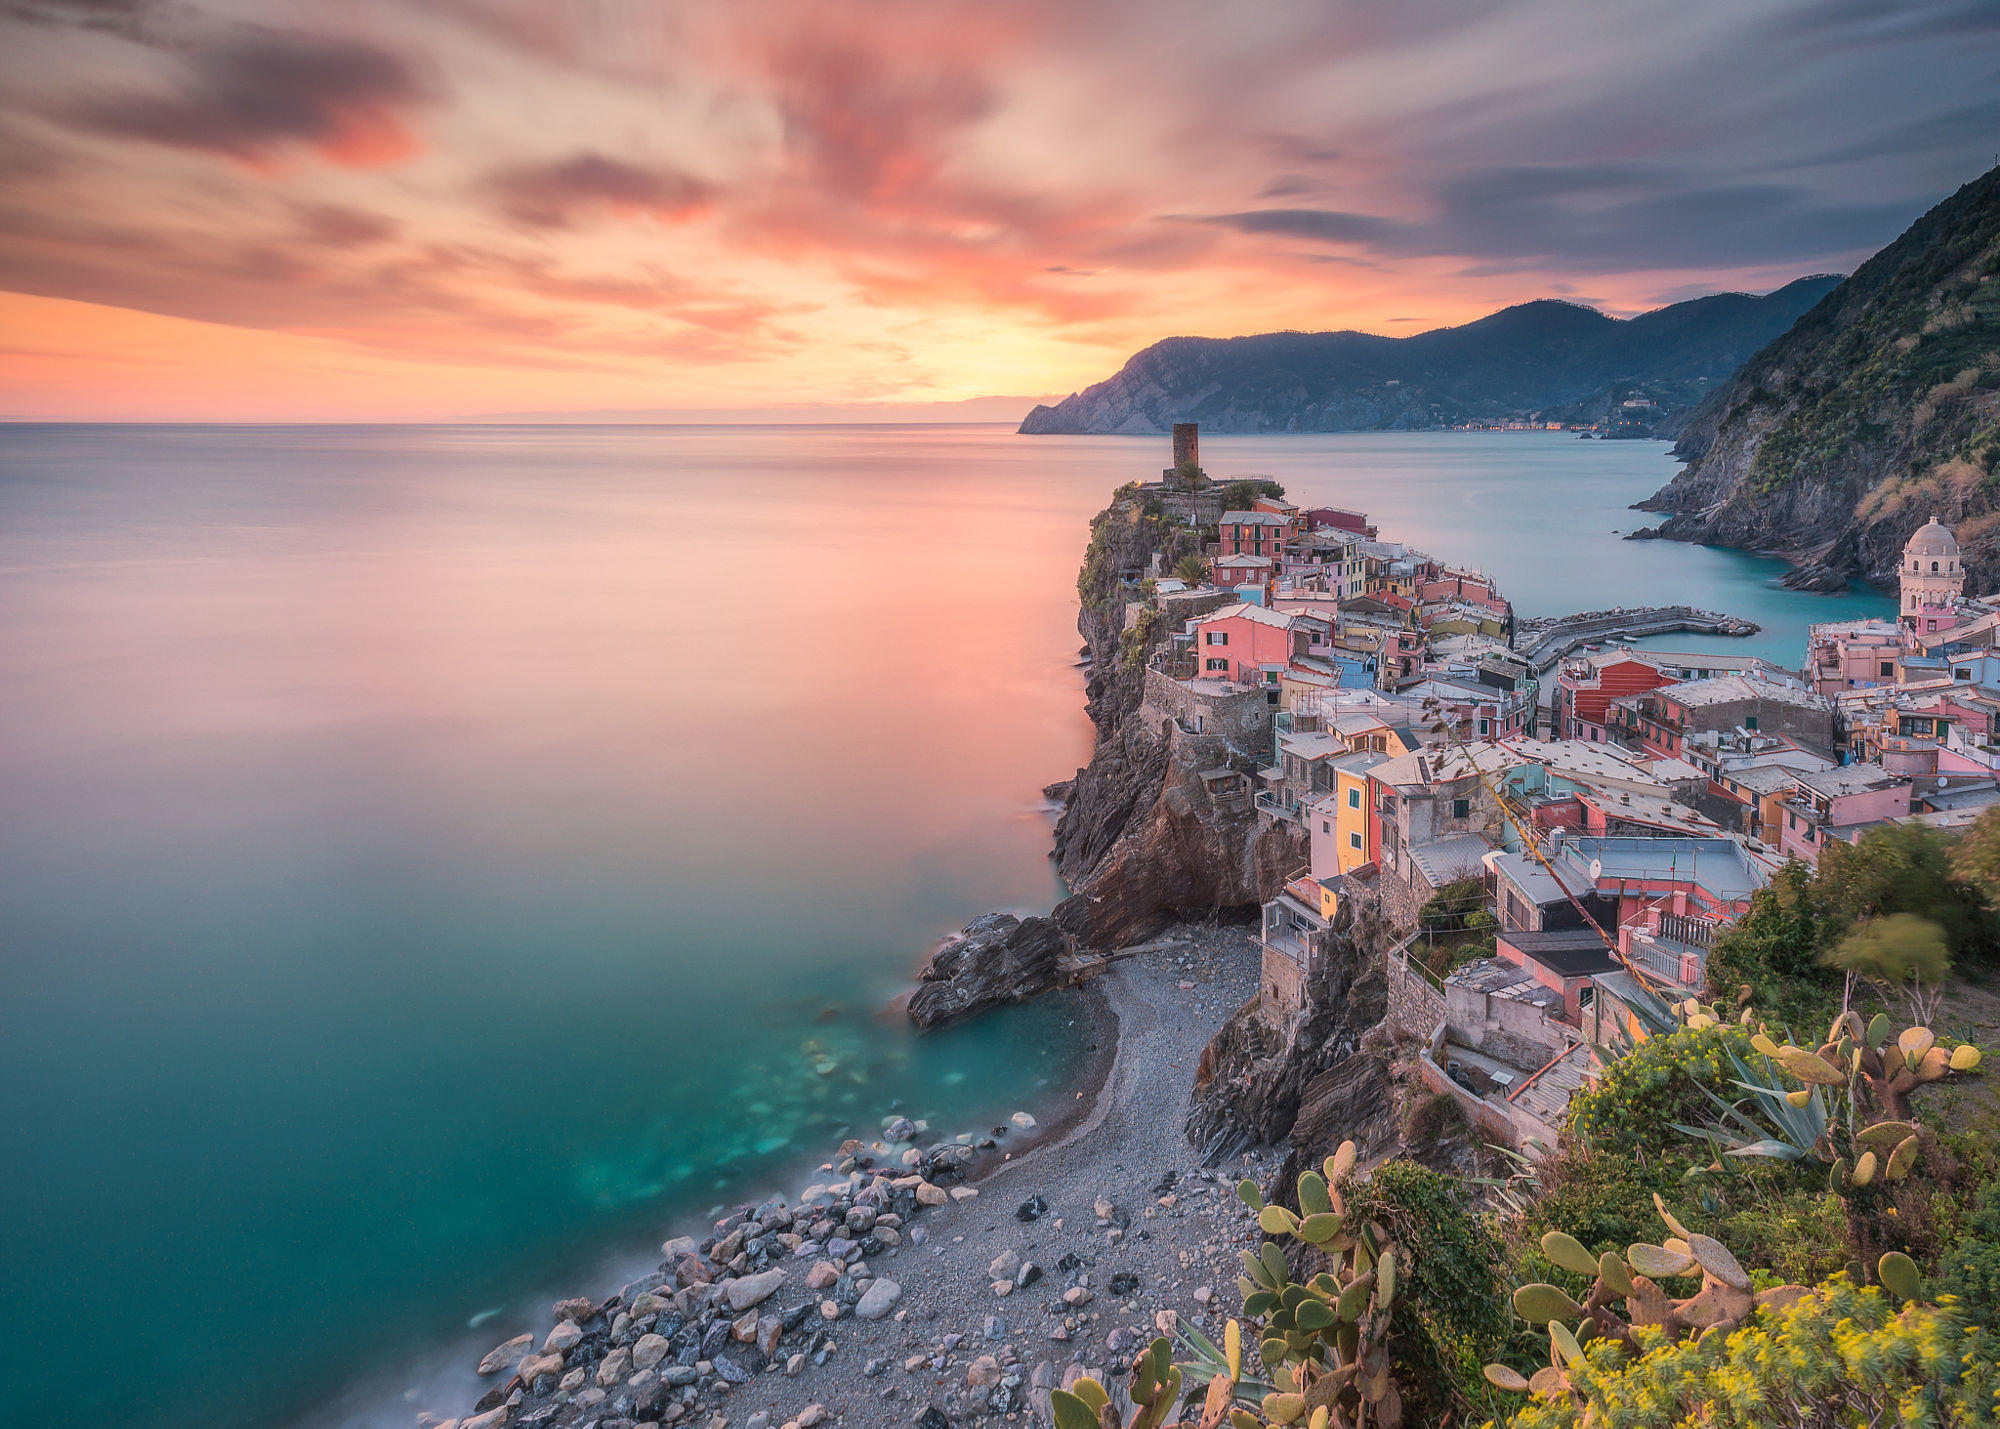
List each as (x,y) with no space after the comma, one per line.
(438,859)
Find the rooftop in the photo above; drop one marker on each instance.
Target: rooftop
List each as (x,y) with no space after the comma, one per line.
(1847,779)
(1449,859)
(1730,689)
(1256,614)
(1567,952)
(1720,865)
(1254,518)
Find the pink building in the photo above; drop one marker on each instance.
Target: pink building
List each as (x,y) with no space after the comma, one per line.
(1229,572)
(1254,533)
(1337,519)
(1840,804)
(1853,655)
(1471,587)
(1247,643)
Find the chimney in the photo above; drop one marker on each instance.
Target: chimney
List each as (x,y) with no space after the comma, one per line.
(1187,444)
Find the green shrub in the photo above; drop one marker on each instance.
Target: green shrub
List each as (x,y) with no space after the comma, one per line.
(1452,1315)
(1632,1106)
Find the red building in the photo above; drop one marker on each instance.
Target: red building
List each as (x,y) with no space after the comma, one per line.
(1334,518)
(1585,689)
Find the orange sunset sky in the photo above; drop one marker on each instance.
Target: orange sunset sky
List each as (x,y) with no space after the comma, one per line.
(442,208)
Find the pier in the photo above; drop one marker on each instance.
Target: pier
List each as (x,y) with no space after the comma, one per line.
(1543,642)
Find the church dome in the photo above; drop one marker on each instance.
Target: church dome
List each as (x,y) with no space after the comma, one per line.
(1932,542)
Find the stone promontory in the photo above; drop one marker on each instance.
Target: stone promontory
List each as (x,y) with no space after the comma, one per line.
(995,959)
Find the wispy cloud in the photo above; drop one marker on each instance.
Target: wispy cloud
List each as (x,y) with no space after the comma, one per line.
(825,197)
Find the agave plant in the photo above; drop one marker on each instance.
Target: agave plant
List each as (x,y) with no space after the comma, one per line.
(1844,1104)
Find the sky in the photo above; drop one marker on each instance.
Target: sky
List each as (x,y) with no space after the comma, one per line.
(225,210)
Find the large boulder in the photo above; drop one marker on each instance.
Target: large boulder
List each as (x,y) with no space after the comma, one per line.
(994,959)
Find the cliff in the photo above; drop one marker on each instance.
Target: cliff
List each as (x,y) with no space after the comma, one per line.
(1877,410)
(1557,359)
(1140,841)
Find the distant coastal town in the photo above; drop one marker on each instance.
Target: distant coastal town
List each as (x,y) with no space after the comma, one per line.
(1362,867)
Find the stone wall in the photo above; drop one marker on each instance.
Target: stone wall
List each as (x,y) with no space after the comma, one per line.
(1415,1006)
(1241,722)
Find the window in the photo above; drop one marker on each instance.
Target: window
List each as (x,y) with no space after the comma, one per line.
(1934,567)
(1222,665)
(1354,840)
(1353,798)
(1749,721)
(1485,726)
(1217,637)
(1461,808)
(1325,826)
(1888,668)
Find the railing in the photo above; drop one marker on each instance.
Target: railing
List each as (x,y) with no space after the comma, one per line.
(1277,808)
(1686,928)
(1679,963)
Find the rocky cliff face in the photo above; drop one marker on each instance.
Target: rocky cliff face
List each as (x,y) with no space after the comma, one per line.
(1879,409)
(1139,842)
(1336,1072)
(1559,359)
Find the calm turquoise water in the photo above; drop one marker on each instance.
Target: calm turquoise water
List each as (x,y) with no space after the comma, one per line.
(436,861)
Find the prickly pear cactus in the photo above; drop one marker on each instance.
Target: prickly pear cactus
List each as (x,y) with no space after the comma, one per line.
(1323,1343)
(1626,1294)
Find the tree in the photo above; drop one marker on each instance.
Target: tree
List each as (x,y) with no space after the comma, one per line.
(1191,568)
(1905,953)
(1976,856)
(1905,868)
(1190,475)
(1774,950)
(1238,495)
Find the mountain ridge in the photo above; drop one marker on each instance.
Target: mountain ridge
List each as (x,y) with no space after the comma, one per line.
(1551,357)
(1877,410)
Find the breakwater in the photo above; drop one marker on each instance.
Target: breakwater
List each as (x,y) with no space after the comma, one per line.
(1544,641)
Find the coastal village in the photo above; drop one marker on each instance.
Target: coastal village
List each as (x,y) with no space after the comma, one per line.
(1484,853)
(1585,814)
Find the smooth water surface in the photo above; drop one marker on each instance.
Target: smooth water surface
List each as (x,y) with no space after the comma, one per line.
(436,861)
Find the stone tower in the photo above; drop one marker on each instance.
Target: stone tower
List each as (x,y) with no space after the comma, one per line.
(1931,578)
(1187,444)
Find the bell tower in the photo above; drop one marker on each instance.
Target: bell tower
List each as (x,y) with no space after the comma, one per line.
(1931,579)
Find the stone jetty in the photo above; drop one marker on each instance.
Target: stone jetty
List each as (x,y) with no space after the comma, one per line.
(1544,641)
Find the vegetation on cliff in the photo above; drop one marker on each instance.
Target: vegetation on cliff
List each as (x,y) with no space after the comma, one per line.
(1879,409)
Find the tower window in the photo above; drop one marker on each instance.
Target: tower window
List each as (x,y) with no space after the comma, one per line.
(1934,566)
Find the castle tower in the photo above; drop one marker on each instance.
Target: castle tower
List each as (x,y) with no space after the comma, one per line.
(1187,444)
(1932,579)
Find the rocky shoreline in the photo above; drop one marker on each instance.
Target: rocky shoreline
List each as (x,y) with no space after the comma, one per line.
(891,1291)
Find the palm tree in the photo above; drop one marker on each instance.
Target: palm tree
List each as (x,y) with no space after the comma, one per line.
(1191,568)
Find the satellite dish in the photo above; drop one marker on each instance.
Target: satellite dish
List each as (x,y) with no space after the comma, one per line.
(1596,869)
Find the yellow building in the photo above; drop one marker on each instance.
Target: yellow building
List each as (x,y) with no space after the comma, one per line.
(1340,832)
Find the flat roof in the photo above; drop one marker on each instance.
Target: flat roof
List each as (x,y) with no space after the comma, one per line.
(1526,873)
(1721,865)
(1567,952)
(1728,689)
(1847,779)
(1446,859)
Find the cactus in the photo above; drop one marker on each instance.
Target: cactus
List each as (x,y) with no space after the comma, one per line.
(1325,1342)
(1725,1299)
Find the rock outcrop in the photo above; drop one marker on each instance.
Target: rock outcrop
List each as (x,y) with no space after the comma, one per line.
(1260,1083)
(995,959)
(1878,410)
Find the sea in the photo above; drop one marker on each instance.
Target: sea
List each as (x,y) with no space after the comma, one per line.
(438,862)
